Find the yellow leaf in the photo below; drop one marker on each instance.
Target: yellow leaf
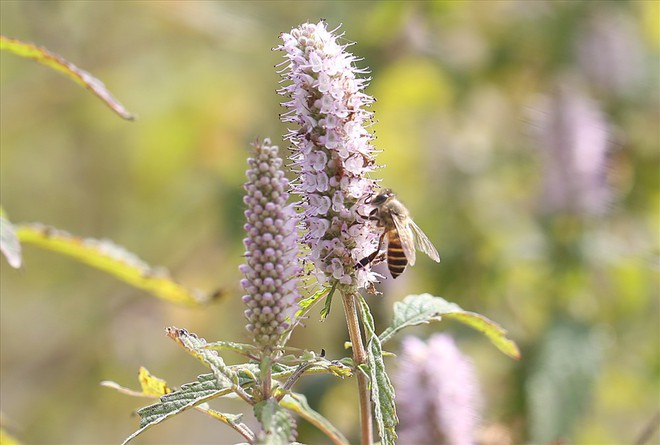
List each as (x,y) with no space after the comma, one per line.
(152,385)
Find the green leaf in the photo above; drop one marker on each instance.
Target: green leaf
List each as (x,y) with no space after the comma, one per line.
(9,244)
(563,374)
(328,301)
(328,304)
(382,390)
(298,404)
(240,348)
(196,346)
(495,333)
(316,362)
(306,303)
(114,259)
(58,63)
(192,395)
(206,388)
(419,309)
(233,420)
(151,386)
(279,427)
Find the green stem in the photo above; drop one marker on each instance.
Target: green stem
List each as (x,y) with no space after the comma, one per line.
(359,357)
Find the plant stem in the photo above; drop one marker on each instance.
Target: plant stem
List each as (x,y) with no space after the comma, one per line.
(266,376)
(359,357)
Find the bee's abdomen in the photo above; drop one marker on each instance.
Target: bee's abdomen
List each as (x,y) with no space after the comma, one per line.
(396,258)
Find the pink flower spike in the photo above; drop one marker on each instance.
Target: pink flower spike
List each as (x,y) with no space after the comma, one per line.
(272,268)
(332,151)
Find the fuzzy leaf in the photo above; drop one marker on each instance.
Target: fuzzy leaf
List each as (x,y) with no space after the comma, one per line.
(318,364)
(298,404)
(192,394)
(419,309)
(278,425)
(9,245)
(196,346)
(382,391)
(240,348)
(58,63)
(114,259)
(152,386)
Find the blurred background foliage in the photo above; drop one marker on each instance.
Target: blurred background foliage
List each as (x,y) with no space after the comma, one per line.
(474,121)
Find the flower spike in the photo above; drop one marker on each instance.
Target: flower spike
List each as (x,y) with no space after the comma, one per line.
(332,151)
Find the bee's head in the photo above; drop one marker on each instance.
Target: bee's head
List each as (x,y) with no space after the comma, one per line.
(381,197)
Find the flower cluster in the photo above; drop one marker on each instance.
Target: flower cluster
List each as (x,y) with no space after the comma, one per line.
(437,393)
(272,268)
(332,153)
(573,136)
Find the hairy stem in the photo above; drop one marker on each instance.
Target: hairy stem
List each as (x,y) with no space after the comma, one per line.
(359,357)
(266,376)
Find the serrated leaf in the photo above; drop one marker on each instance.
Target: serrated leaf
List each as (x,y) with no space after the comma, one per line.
(206,388)
(113,259)
(495,333)
(278,426)
(417,309)
(382,390)
(154,387)
(9,244)
(424,308)
(317,363)
(58,63)
(298,404)
(240,348)
(196,346)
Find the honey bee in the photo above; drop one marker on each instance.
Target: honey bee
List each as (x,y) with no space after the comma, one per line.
(402,234)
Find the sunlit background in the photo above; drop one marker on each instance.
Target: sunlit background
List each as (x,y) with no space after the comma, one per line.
(522,135)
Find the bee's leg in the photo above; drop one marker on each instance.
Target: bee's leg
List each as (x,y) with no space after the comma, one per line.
(364,262)
(370,217)
(369,259)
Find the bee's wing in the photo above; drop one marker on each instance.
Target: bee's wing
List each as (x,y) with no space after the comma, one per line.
(423,243)
(406,236)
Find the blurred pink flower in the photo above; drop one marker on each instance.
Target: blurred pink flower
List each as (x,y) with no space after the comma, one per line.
(438,396)
(572,135)
(611,54)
